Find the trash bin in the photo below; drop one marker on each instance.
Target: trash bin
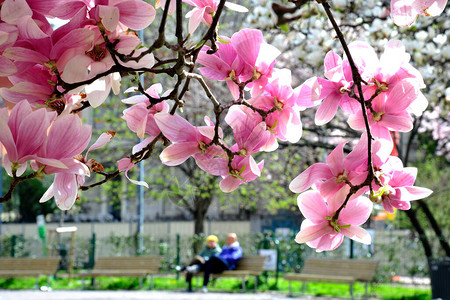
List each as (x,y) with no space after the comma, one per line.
(440,278)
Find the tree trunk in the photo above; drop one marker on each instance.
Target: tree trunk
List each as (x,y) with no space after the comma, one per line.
(422,237)
(428,214)
(199,228)
(437,229)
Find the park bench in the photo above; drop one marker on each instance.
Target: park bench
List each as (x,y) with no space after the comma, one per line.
(12,267)
(247,266)
(139,266)
(335,270)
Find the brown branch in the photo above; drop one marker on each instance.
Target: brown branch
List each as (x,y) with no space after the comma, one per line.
(357,80)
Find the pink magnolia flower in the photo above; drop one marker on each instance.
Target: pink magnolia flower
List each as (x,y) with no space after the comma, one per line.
(284,122)
(243,169)
(250,134)
(335,173)
(389,112)
(257,54)
(8,34)
(334,91)
(22,133)
(134,14)
(68,181)
(405,12)
(398,188)
(224,64)
(32,85)
(392,68)
(125,164)
(140,119)
(31,24)
(320,231)
(187,139)
(66,139)
(246,57)
(64,189)
(204,10)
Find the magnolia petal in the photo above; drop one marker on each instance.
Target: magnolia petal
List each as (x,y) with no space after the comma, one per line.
(65,190)
(56,163)
(102,140)
(397,122)
(109,16)
(47,195)
(402,95)
(76,69)
(229,184)
(236,7)
(411,193)
(356,212)
(195,18)
(29,29)
(329,242)
(136,182)
(312,232)
(247,43)
(24,54)
(6,137)
(312,206)
(436,7)
(142,144)
(98,91)
(22,168)
(125,164)
(307,178)
(136,15)
(7,67)
(308,93)
(177,153)
(358,234)
(214,166)
(327,110)
(13,10)
(335,159)
(175,128)
(402,13)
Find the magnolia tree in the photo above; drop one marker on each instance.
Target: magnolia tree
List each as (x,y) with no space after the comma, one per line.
(49,76)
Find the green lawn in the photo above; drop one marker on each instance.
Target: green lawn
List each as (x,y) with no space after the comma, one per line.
(381,291)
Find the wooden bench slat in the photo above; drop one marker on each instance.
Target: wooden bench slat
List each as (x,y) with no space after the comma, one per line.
(139,266)
(335,270)
(319,278)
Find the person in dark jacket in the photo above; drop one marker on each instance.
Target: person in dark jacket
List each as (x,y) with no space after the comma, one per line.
(226,260)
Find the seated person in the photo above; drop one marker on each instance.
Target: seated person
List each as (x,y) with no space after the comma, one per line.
(226,260)
(212,248)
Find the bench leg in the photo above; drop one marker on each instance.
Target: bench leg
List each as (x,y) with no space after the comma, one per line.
(37,283)
(366,295)
(304,287)
(243,284)
(152,285)
(256,284)
(290,288)
(351,291)
(140,283)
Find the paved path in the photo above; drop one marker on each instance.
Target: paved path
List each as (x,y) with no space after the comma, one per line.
(140,295)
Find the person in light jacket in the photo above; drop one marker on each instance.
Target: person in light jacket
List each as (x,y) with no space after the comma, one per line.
(226,260)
